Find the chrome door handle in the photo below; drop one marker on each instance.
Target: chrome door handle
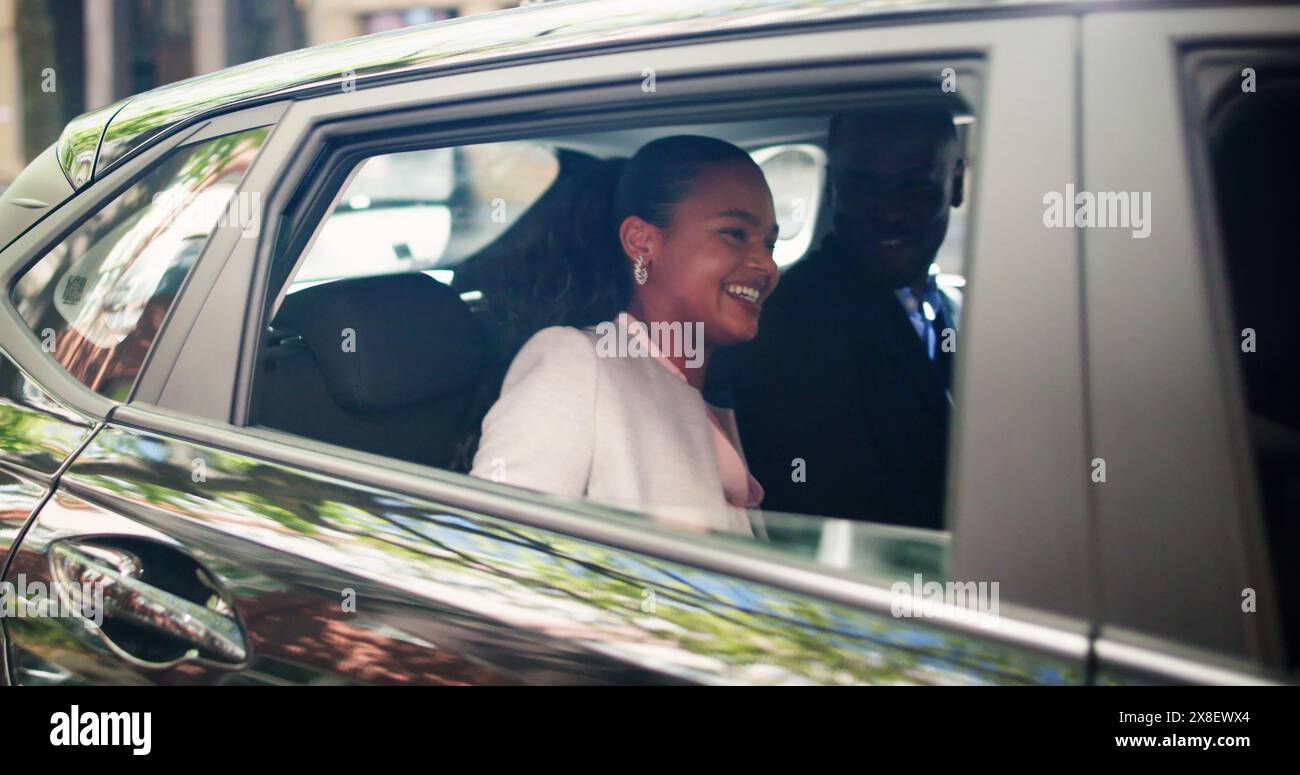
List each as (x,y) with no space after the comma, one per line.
(212,630)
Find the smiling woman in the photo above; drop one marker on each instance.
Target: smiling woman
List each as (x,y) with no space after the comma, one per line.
(695,215)
(695,228)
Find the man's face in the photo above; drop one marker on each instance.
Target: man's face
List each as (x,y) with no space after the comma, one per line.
(894,182)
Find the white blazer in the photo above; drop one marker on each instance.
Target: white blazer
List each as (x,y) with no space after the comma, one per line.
(624,431)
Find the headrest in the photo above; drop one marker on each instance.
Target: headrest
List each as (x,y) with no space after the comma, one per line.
(387,341)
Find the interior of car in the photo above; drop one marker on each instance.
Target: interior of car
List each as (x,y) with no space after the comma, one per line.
(454,321)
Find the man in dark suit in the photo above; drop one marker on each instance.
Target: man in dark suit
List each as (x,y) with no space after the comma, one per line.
(843,399)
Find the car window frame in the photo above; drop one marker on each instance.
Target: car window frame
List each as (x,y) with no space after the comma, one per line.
(586,82)
(221,243)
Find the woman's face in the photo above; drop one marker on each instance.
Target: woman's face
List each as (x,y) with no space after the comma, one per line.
(713,264)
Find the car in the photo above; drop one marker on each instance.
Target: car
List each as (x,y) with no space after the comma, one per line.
(201,485)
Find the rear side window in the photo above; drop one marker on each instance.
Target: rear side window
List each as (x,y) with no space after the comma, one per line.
(98,299)
(1250,109)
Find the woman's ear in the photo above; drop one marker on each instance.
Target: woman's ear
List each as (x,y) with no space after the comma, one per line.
(638,237)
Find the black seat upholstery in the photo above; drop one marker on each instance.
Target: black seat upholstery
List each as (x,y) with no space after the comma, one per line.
(393,365)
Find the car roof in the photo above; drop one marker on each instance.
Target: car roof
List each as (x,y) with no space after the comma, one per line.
(96,141)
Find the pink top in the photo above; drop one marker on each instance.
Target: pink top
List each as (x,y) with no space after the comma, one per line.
(741,489)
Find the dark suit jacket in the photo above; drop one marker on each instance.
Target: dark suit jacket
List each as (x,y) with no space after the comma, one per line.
(838,377)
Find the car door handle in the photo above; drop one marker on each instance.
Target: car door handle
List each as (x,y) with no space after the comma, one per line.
(139,619)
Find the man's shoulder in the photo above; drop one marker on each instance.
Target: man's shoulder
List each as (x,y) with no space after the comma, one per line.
(824,286)
(806,286)
(819,266)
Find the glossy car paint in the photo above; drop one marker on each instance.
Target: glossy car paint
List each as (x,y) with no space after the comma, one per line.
(445,596)
(38,435)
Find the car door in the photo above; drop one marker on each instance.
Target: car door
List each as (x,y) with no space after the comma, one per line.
(261,557)
(87,287)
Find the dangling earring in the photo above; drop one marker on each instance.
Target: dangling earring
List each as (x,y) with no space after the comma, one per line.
(640,272)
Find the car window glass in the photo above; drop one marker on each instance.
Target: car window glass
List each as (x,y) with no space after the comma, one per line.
(98,299)
(426,210)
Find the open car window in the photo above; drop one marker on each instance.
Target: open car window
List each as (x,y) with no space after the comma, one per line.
(365,353)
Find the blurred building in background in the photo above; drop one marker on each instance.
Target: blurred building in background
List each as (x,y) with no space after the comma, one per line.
(60,58)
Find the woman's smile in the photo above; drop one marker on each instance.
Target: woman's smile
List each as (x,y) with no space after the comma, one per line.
(748,294)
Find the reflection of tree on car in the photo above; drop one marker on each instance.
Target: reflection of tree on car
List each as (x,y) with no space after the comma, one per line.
(125,267)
